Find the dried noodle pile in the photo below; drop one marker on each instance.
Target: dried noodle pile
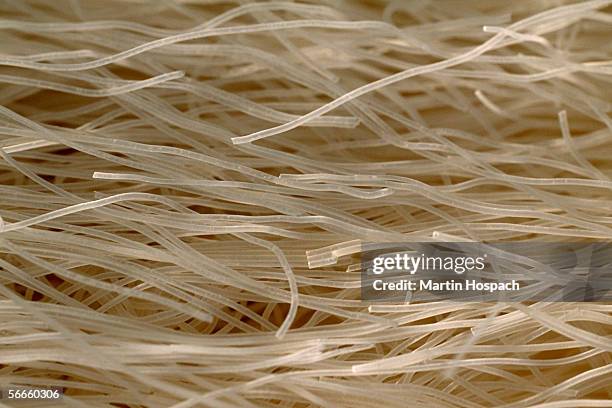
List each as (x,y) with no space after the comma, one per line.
(185,184)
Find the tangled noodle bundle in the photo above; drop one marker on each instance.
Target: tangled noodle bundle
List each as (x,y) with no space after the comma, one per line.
(185,186)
